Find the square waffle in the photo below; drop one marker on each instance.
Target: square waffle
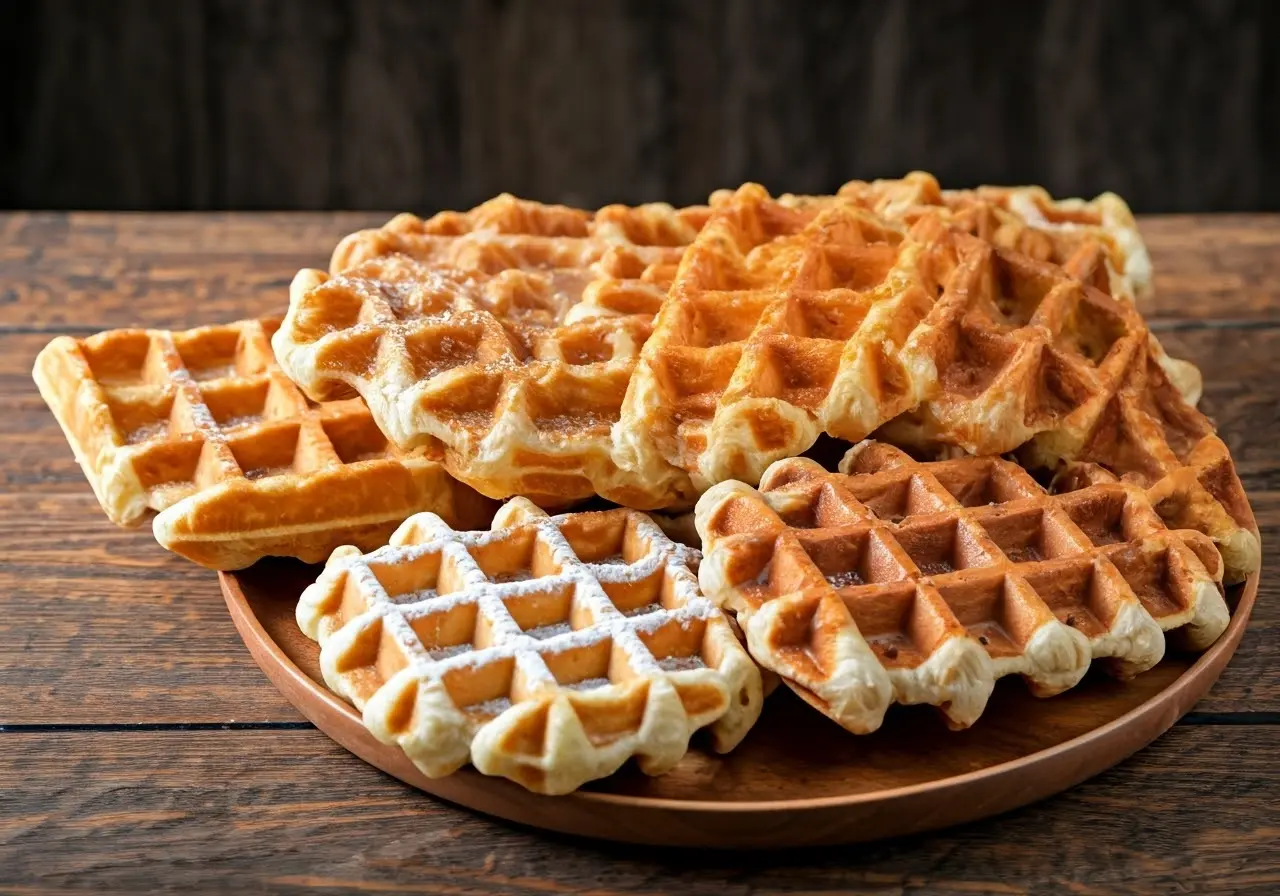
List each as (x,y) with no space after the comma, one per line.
(1020,346)
(923,583)
(782,323)
(505,336)
(203,427)
(549,650)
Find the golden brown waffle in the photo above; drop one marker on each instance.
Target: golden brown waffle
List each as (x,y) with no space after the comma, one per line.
(782,323)
(1150,438)
(1059,226)
(1019,347)
(944,338)
(1029,357)
(550,650)
(203,426)
(900,581)
(1096,241)
(506,335)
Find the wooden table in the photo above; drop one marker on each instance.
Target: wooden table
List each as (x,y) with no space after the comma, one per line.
(140,747)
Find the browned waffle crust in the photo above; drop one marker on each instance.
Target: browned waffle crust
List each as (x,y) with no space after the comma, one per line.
(506,336)
(913,582)
(549,650)
(792,318)
(202,426)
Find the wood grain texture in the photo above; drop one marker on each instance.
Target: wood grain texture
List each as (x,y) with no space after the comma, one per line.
(282,811)
(89,272)
(1213,268)
(333,104)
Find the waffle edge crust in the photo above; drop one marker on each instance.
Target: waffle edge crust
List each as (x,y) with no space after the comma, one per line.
(505,335)
(549,650)
(923,583)
(201,428)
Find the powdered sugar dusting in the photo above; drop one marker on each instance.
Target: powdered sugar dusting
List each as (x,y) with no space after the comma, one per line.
(588,684)
(493,707)
(643,609)
(681,663)
(148,432)
(554,630)
(845,579)
(414,597)
(445,653)
(243,420)
(485,599)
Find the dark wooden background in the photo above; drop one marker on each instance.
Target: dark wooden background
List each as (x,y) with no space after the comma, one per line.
(250,104)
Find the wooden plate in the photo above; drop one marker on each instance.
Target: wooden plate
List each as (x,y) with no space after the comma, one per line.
(797,778)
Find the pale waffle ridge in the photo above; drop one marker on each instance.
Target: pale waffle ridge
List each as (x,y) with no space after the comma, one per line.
(549,650)
(902,581)
(506,335)
(203,427)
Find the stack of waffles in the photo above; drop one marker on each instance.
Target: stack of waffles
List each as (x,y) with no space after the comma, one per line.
(665,360)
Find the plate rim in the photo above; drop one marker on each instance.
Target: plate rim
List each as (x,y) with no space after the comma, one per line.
(1178,697)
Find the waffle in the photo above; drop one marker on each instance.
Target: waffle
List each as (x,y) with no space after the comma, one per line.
(1029,357)
(1059,226)
(790,318)
(1019,346)
(203,427)
(1185,468)
(549,650)
(782,323)
(506,336)
(924,583)
(1096,241)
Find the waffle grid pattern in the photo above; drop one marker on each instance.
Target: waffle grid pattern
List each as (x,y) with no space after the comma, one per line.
(992,350)
(549,650)
(900,581)
(782,323)
(1032,359)
(506,335)
(1021,348)
(1096,240)
(202,426)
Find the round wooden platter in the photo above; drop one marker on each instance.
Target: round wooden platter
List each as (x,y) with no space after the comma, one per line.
(797,779)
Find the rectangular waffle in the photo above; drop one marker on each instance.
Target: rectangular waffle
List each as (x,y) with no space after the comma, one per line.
(505,336)
(203,427)
(549,650)
(900,581)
